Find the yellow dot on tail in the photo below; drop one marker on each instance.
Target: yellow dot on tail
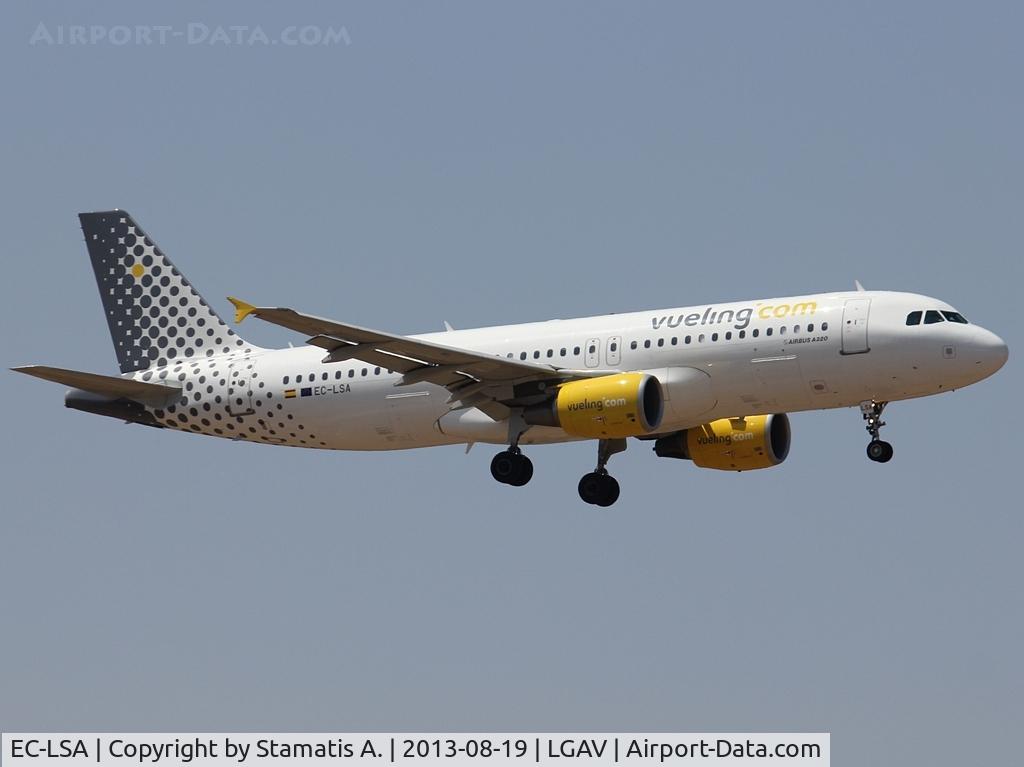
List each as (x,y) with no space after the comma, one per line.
(137,270)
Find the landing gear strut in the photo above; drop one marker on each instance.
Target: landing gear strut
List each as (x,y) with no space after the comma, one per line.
(600,488)
(878,450)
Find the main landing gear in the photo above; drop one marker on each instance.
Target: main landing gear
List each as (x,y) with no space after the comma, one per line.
(600,488)
(511,467)
(878,450)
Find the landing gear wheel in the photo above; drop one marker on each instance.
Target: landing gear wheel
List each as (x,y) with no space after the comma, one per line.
(590,487)
(611,491)
(879,451)
(599,489)
(511,468)
(524,471)
(503,466)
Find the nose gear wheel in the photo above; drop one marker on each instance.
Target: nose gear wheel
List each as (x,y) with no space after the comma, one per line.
(878,450)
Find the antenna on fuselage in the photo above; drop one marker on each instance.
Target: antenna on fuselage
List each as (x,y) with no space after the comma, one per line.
(856,284)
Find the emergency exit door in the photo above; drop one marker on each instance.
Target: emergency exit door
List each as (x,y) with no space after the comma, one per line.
(613,351)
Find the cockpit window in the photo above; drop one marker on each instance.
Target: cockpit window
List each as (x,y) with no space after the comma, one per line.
(955,317)
(914,318)
(931,317)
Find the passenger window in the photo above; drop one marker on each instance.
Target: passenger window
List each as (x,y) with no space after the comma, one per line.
(688,339)
(824,327)
(675,341)
(743,334)
(592,349)
(768,332)
(352,373)
(323,377)
(796,328)
(551,352)
(522,355)
(576,350)
(955,317)
(614,347)
(632,344)
(728,336)
(298,378)
(700,338)
(714,336)
(536,354)
(931,317)
(661,342)
(755,333)
(285,380)
(810,328)
(563,351)
(782,330)
(914,318)
(364,372)
(376,371)
(337,375)
(647,344)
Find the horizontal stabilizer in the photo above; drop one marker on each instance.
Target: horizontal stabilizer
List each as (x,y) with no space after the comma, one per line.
(153,395)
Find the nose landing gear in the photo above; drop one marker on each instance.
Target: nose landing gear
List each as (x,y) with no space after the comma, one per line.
(599,488)
(878,450)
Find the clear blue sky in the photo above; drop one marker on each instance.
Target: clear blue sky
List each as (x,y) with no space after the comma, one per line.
(482,164)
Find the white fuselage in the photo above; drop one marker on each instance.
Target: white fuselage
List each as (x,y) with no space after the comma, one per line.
(721,360)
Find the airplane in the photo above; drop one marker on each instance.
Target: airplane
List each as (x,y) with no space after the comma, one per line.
(711,383)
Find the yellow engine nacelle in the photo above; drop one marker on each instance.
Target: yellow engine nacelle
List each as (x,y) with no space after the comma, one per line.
(608,407)
(732,444)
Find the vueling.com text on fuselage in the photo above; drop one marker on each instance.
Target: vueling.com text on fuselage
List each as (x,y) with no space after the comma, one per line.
(739,317)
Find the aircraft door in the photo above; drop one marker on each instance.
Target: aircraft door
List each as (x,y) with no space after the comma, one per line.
(402,409)
(241,378)
(855,326)
(592,352)
(613,351)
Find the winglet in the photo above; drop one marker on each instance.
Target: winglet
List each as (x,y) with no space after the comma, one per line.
(242,309)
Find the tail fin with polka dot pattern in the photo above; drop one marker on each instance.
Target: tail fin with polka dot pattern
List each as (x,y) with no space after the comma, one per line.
(155,316)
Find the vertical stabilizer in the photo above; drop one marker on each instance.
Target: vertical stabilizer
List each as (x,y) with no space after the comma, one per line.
(155,315)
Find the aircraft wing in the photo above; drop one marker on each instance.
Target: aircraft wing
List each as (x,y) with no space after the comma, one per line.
(468,374)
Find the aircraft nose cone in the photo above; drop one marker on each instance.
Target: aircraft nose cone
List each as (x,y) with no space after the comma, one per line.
(991,351)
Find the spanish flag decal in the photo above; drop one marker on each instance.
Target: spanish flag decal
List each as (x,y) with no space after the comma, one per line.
(289,393)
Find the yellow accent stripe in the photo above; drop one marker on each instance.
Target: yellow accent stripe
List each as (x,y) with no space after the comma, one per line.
(242,308)
(289,393)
